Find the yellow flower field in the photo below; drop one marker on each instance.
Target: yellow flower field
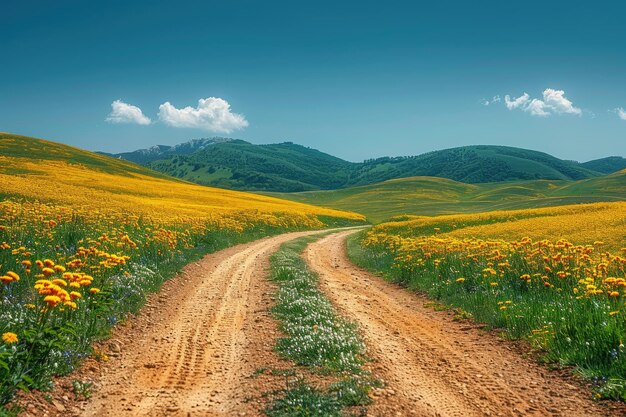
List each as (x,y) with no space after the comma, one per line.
(555,276)
(113,186)
(580,223)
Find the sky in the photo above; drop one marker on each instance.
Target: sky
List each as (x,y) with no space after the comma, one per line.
(356,79)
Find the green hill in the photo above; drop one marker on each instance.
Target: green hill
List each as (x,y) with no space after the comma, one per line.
(474,164)
(288,167)
(606,165)
(145,156)
(431,196)
(241,165)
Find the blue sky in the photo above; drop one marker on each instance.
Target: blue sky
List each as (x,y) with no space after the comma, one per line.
(355,79)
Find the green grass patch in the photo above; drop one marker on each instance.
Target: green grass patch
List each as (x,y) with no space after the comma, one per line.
(316,337)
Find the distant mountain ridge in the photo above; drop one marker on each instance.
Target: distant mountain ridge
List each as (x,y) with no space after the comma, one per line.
(289,167)
(156,152)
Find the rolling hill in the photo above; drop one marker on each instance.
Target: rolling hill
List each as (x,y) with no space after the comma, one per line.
(430,196)
(36,169)
(241,165)
(31,165)
(288,167)
(606,165)
(474,164)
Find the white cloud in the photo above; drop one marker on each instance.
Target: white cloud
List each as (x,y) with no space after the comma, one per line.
(555,99)
(537,108)
(212,114)
(554,102)
(485,102)
(621,113)
(127,113)
(517,102)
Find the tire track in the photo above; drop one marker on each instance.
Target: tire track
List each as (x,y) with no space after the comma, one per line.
(191,356)
(434,366)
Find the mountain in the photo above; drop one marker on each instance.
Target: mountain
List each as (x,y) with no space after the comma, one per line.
(241,165)
(606,165)
(145,156)
(473,164)
(288,167)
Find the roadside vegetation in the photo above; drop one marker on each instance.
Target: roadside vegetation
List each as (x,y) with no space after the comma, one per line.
(555,277)
(84,237)
(317,338)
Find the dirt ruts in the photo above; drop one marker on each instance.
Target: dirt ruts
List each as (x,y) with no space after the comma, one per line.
(194,355)
(433,365)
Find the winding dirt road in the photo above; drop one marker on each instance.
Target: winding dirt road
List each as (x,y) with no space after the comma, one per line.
(195,353)
(197,348)
(434,366)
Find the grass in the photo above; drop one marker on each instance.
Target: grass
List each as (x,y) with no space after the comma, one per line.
(430,196)
(317,338)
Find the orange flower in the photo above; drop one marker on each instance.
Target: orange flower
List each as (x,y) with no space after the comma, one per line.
(9,338)
(13,275)
(6,279)
(52,300)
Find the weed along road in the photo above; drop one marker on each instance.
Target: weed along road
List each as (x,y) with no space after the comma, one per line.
(434,366)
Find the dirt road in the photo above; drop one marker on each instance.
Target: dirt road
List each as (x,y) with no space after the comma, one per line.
(434,366)
(199,346)
(195,346)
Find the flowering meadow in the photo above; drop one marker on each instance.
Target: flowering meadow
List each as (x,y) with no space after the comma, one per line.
(84,237)
(555,277)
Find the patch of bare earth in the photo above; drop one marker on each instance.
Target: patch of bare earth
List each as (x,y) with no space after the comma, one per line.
(433,366)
